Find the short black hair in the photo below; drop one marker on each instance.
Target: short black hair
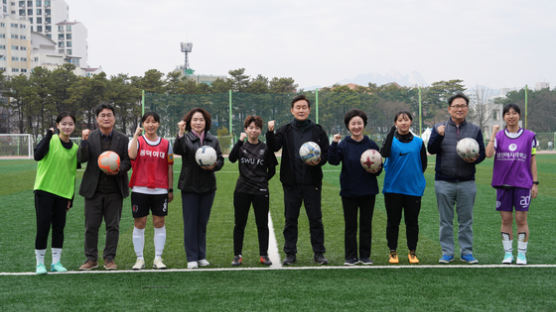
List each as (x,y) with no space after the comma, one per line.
(62,115)
(189,115)
(355,113)
(509,106)
(301,97)
(154,115)
(458,95)
(408,114)
(100,107)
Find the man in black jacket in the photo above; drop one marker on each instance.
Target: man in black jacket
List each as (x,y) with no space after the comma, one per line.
(301,180)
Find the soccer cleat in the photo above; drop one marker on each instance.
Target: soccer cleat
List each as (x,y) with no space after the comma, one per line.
(351,262)
(139,264)
(89,265)
(265,260)
(446,259)
(290,259)
(57,267)
(412,258)
(469,259)
(521,259)
(393,257)
(41,269)
(192,265)
(204,263)
(320,258)
(366,261)
(158,264)
(508,258)
(237,260)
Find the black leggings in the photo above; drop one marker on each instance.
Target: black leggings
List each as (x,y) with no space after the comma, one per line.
(51,210)
(242,202)
(365,205)
(411,205)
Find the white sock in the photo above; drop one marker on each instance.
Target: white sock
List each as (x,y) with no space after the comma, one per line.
(39,255)
(56,254)
(507,242)
(521,242)
(159,241)
(138,241)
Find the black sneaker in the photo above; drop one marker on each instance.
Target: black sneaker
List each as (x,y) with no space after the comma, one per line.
(366,261)
(290,259)
(237,260)
(350,262)
(265,260)
(320,259)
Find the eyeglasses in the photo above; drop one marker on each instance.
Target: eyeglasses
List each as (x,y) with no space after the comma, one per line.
(458,106)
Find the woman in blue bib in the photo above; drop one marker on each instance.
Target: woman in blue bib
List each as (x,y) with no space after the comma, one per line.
(404,184)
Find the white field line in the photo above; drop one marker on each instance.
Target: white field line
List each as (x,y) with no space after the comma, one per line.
(294,268)
(273,253)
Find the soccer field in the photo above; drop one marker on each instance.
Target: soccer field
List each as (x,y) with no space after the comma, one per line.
(403,289)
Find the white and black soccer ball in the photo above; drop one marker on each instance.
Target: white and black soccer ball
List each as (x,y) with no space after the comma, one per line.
(467,148)
(309,151)
(371,160)
(205,156)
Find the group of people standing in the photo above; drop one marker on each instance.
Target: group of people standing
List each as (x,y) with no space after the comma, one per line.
(151,159)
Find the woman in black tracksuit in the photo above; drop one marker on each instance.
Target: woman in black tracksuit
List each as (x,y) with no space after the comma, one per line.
(256,166)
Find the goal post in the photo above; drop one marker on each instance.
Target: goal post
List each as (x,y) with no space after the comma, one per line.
(16,145)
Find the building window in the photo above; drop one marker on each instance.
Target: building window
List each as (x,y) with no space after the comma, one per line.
(47,12)
(15,59)
(39,28)
(2,35)
(2,47)
(48,20)
(69,51)
(39,3)
(15,70)
(48,28)
(31,22)
(23,59)
(68,36)
(21,3)
(22,26)
(495,115)
(60,44)
(23,48)
(29,11)
(29,3)
(47,3)
(23,70)
(36,59)
(14,36)
(39,20)
(2,25)
(60,36)
(49,36)
(39,11)
(2,57)
(13,25)
(68,44)
(68,27)
(22,37)
(14,47)
(22,12)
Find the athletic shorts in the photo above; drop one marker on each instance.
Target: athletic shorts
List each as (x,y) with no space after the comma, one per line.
(141,204)
(507,198)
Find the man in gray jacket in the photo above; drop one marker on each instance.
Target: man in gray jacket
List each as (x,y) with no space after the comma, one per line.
(455,178)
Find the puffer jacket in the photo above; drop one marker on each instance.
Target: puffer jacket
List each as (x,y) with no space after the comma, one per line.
(194,179)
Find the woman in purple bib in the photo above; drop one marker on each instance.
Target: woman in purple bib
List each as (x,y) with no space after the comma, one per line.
(514,176)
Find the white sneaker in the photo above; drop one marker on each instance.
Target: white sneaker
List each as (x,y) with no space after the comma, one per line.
(521,259)
(139,264)
(204,263)
(192,265)
(508,258)
(158,264)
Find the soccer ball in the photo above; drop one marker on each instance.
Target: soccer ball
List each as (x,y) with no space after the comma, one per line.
(467,148)
(109,162)
(371,160)
(205,156)
(309,151)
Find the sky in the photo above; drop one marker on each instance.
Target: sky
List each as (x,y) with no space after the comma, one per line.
(494,43)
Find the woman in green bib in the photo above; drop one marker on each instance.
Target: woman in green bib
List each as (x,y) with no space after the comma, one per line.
(54,188)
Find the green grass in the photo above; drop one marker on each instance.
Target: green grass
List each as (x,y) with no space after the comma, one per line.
(425,289)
